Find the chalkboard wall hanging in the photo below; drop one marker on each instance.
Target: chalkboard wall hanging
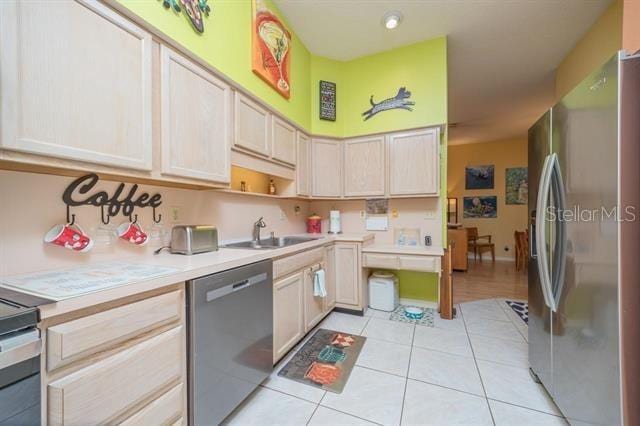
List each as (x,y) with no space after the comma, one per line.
(327,101)
(399,101)
(194,10)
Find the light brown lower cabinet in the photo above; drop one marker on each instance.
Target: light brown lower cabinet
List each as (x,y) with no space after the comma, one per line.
(126,364)
(288,313)
(296,311)
(330,275)
(348,276)
(314,307)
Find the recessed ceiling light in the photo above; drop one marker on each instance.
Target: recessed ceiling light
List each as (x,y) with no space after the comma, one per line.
(391,19)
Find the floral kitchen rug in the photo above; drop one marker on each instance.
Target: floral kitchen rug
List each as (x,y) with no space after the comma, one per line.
(520,308)
(399,315)
(325,361)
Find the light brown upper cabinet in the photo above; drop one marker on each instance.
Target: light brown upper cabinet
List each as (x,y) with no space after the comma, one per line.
(364,170)
(414,163)
(284,142)
(196,119)
(76,83)
(252,126)
(303,168)
(326,155)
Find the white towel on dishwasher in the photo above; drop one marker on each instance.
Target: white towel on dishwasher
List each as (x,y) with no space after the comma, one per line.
(319,288)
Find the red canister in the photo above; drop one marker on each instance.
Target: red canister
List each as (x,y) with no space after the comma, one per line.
(314,224)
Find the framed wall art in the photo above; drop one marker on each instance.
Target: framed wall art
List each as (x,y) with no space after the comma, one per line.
(327,100)
(270,49)
(479,177)
(481,207)
(516,185)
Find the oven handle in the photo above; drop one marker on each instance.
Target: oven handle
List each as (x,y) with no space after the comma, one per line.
(236,286)
(27,349)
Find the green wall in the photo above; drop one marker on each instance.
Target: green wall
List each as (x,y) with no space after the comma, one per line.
(420,67)
(417,285)
(226,45)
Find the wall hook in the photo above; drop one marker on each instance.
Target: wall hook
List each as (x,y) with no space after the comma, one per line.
(154,216)
(134,220)
(106,222)
(71,218)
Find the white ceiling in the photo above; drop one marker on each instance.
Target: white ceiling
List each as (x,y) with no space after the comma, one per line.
(501,53)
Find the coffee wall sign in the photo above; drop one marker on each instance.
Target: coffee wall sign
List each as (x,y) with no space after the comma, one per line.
(399,101)
(327,101)
(78,193)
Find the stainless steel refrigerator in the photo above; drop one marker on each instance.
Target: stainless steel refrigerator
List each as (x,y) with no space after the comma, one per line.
(584,254)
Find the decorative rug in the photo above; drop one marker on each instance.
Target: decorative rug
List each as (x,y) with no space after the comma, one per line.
(520,308)
(325,361)
(426,320)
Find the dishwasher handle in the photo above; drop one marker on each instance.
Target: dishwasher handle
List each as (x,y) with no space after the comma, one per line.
(236,286)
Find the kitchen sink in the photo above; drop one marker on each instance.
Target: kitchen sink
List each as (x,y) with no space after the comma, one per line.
(270,243)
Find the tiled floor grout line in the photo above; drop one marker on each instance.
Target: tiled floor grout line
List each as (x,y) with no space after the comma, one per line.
(447,387)
(314,412)
(475,361)
(526,408)
(406,379)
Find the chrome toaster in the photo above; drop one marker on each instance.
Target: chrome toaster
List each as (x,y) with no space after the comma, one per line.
(194,239)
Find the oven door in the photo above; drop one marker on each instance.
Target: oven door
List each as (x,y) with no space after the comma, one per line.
(20,379)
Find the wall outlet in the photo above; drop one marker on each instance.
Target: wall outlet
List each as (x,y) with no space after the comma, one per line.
(362,214)
(394,212)
(283,215)
(430,215)
(175,214)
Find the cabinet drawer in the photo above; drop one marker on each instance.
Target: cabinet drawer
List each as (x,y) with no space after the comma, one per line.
(287,265)
(167,409)
(380,261)
(103,391)
(76,339)
(419,263)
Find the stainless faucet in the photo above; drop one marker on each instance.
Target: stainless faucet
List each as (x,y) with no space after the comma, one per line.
(256,229)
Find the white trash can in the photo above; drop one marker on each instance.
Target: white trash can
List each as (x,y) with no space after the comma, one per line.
(384,292)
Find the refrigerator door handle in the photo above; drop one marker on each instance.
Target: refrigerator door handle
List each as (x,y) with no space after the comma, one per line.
(557,184)
(541,246)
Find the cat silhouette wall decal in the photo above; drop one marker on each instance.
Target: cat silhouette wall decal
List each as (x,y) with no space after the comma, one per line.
(399,101)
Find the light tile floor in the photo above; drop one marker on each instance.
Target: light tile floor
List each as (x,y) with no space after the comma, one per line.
(472,370)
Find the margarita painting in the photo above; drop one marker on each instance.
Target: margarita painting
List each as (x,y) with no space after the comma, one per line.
(271,49)
(480,207)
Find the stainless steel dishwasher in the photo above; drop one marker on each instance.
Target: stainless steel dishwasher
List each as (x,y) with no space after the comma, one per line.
(230,339)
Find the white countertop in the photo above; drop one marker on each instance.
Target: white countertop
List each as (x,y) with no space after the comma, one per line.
(394,249)
(187,268)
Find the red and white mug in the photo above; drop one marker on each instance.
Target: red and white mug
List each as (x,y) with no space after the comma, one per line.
(69,236)
(133,233)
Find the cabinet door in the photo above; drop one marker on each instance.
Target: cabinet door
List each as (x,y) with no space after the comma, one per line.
(330,276)
(108,388)
(284,142)
(326,155)
(288,313)
(252,126)
(347,273)
(303,165)
(364,168)
(196,120)
(313,306)
(76,83)
(414,163)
